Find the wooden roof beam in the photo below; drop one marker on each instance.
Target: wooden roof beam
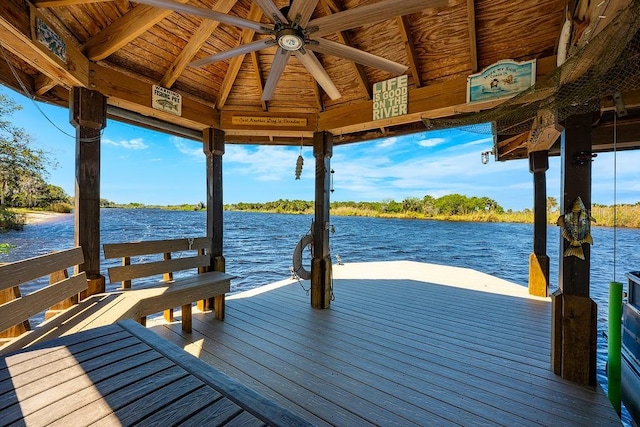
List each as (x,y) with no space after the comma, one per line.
(331,7)
(259,80)
(473,48)
(58,3)
(195,43)
(43,84)
(412,56)
(124,29)
(255,13)
(16,38)
(444,99)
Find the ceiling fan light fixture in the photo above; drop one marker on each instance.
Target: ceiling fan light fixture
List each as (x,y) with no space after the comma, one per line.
(290,39)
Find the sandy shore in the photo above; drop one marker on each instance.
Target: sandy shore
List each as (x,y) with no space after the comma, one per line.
(42,217)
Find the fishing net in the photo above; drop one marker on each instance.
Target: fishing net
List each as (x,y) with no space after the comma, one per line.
(606,65)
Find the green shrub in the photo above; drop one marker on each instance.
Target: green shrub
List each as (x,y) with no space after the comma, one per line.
(10,220)
(60,207)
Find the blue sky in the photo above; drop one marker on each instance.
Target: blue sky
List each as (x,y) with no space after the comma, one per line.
(139,165)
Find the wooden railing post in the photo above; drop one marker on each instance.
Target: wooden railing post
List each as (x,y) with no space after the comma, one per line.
(7,295)
(64,304)
(167,277)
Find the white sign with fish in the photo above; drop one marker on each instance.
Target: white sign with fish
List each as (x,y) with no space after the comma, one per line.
(166,100)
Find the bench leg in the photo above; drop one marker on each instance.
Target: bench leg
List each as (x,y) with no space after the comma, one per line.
(186,318)
(168,315)
(204,305)
(143,321)
(218,306)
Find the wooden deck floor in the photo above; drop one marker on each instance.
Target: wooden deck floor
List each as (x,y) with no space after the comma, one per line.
(402,344)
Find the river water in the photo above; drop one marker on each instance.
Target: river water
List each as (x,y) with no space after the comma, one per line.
(258,246)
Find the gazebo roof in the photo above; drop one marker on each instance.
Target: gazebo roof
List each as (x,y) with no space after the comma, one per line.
(123,48)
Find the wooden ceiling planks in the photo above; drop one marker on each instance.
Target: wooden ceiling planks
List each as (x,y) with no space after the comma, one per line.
(449,43)
(517,30)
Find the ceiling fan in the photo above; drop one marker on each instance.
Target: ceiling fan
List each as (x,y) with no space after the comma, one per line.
(295,33)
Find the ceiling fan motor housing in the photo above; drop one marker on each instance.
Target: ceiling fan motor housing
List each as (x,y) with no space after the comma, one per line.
(290,38)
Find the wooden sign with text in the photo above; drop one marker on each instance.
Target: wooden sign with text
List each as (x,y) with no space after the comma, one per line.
(390,98)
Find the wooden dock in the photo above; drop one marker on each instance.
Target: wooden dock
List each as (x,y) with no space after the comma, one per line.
(403,343)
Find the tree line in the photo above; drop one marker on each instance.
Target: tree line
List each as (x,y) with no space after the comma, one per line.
(24,173)
(451,204)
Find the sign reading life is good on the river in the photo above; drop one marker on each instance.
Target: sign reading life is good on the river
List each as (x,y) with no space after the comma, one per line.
(502,79)
(166,100)
(390,98)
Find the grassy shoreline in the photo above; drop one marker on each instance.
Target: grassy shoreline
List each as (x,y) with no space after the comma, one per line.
(628,216)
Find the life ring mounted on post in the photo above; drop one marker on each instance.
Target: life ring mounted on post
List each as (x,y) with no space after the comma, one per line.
(298,268)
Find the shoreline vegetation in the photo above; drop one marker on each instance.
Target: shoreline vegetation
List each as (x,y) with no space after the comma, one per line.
(452,207)
(449,208)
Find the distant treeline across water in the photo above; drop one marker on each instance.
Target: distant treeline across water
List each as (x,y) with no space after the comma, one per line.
(452,207)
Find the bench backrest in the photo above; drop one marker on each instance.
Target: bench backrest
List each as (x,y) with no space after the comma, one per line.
(149,266)
(22,272)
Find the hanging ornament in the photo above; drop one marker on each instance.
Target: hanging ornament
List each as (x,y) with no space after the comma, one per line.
(299,163)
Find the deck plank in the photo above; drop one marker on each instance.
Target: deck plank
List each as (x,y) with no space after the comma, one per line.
(401,349)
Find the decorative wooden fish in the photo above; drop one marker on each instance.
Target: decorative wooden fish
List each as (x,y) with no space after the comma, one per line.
(576,228)
(299,164)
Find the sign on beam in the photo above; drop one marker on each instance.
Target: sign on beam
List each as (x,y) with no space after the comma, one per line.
(390,98)
(500,80)
(48,37)
(166,100)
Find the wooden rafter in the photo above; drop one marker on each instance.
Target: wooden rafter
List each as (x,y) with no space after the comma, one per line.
(195,43)
(57,3)
(473,49)
(412,56)
(512,144)
(259,79)
(124,29)
(331,7)
(255,13)
(43,84)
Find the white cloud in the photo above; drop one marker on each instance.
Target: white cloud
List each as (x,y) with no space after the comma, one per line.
(131,144)
(387,142)
(267,163)
(431,142)
(190,148)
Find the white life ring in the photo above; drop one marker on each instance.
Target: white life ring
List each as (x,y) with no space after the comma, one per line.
(298,268)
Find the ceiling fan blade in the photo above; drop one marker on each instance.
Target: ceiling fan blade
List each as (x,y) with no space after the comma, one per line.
(311,63)
(277,68)
(304,8)
(329,47)
(369,14)
(240,50)
(207,14)
(269,8)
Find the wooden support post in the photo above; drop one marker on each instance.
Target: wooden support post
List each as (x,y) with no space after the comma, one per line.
(574,331)
(213,146)
(321,263)
(87,111)
(538,260)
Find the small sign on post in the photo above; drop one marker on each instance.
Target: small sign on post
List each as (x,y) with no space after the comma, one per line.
(390,98)
(166,100)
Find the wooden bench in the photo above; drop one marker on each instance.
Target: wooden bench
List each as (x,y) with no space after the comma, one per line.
(164,258)
(63,290)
